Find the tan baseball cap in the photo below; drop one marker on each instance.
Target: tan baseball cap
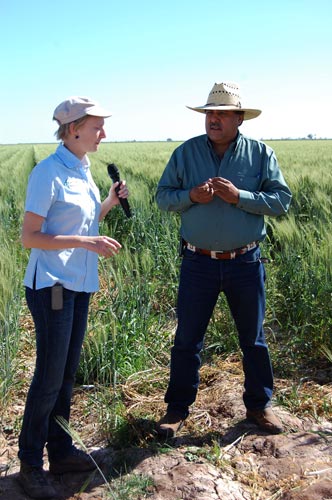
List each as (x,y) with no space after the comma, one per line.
(76,107)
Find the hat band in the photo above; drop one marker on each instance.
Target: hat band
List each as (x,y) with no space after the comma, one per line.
(216,104)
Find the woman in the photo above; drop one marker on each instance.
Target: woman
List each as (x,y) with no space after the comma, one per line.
(60,225)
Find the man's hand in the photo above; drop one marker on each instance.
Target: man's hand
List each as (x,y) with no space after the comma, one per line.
(203,193)
(225,190)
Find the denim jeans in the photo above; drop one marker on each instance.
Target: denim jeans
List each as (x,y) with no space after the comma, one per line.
(59,338)
(201,280)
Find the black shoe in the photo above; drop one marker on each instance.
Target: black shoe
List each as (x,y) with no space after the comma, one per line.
(170,424)
(76,461)
(35,482)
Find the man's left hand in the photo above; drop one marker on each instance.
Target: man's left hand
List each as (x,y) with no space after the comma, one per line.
(225,190)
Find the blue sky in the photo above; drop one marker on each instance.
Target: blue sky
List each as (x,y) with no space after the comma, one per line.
(147,60)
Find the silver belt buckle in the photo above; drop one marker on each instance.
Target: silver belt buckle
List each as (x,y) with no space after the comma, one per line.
(252,245)
(190,247)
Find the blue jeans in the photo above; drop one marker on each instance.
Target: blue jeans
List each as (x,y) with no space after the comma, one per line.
(59,338)
(201,280)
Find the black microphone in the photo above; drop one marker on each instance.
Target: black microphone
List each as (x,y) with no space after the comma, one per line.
(113,172)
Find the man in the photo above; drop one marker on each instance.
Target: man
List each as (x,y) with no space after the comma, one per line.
(223,184)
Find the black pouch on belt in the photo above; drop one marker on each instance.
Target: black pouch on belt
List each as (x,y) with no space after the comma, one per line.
(57,297)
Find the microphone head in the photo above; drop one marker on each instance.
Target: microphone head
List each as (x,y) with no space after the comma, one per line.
(113,172)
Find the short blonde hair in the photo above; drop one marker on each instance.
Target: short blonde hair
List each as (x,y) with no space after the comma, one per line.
(63,130)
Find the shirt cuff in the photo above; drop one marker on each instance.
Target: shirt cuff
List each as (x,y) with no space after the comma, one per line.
(245,197)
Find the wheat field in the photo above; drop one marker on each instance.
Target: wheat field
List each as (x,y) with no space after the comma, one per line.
(132,317)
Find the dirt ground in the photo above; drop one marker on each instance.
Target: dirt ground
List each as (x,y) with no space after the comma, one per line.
(217,454)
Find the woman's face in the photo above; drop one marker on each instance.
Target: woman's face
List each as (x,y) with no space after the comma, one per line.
(90,133)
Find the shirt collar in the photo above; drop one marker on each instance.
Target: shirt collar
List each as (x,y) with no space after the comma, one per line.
(70,160)
(233,145)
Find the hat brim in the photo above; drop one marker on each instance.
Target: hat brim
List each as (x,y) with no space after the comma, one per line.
(249,114)
(98,111)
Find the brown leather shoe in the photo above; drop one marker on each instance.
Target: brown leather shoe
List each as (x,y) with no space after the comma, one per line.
(266,420)
(169,424)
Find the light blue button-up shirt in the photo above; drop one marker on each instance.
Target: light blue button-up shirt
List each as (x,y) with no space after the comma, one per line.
(61,190)
(250,165)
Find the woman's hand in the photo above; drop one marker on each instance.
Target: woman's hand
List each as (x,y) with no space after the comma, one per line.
(113,198)
(32,237)
(103,245)
(123,191)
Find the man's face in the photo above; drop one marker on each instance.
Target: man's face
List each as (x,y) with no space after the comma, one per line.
(222,126)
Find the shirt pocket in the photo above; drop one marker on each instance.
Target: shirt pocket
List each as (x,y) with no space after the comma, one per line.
(248,182)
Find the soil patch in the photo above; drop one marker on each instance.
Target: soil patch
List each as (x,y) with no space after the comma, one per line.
(217,455)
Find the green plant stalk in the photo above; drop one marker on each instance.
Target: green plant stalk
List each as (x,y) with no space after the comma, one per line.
(64,424)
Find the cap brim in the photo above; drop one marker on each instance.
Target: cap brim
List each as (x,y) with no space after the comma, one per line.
(98,111)
(249,114)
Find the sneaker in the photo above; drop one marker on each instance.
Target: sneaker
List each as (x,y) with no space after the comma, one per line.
(170,424)
(266,420)
(35,482)
(76,461)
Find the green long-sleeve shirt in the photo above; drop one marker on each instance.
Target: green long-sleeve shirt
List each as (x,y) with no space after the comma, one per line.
(250,165)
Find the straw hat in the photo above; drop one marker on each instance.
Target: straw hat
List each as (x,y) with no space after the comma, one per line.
(226,97)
